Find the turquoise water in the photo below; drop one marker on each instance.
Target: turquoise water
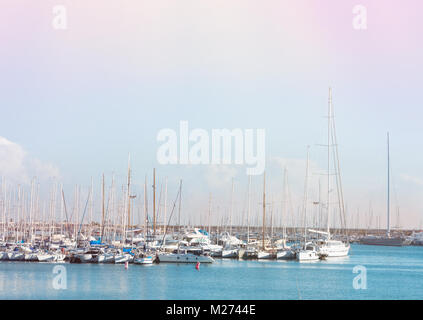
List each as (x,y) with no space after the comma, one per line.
(392,273)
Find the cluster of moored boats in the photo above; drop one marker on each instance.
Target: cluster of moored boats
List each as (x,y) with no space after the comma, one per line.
(192,246)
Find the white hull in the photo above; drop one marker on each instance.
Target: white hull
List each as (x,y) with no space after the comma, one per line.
(264,255)
(17,256)
(85,257)
(122,258)
(334,249)
(45,257)
(4,256)
(59,257)
(285,255)
(307,255)
(105,258)
(184,258)
(145,260)
(230,254)
(31,257)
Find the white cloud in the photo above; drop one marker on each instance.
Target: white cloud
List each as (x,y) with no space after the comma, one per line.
(218,176)
(19,167)
(412,179)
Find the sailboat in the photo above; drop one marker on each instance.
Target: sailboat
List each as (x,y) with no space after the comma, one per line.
(309,251)
(185,256)
(328,247)
(386,240)
(250,252)
(265,253)
(284,252)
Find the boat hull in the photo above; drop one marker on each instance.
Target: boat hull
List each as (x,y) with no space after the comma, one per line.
(184,258)
(144,260)
(392,242)
(285,255)
(307,255)
(230,254)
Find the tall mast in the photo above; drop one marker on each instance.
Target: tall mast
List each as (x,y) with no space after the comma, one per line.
(102,208)
(284,204)
(232,208)
(145,208)
(305,197)
(210,199)
(329,122)
(165,207)
(129,191)
(388,200)
(264,205)
(249,209)
(91,207)
(179,209)
(154,201)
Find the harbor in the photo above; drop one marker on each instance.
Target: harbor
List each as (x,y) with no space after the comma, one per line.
(391,274)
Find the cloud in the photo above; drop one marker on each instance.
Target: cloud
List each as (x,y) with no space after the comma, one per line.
(18,167)
(408,178)
(218,176)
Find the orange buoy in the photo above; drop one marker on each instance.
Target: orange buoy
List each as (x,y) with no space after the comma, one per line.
(197,266)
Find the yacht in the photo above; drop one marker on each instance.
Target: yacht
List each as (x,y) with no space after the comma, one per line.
(308,253)
(285,254)
(184,257)
(266,254)
(230,253)
(388,239)
(382,241)
(147,259)
(331,248)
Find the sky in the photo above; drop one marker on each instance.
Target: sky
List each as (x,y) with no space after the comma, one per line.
(75,102)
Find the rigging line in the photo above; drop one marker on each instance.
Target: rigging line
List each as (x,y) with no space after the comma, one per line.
(338,177)
(82,220)
(171,213)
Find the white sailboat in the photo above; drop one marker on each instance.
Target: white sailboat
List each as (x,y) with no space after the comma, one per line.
(184,258)
(308,252)
(145,259)
(328,247)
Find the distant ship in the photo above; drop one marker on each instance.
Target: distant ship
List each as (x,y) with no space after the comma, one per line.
(383,241)
(386,240)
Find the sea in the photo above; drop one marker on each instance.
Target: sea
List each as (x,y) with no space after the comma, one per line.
(369,272)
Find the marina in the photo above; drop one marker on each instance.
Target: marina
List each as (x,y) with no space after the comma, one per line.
(391,274)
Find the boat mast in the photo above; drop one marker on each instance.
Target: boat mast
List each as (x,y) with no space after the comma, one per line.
(102,208)
(129,192)
(145,209)
(328,198)
(154,201)
(264,205)
(179,209)
(165,207)
(284,204)
(232,208)
(388,200)
(305,198)
(210,199)
(249,209)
